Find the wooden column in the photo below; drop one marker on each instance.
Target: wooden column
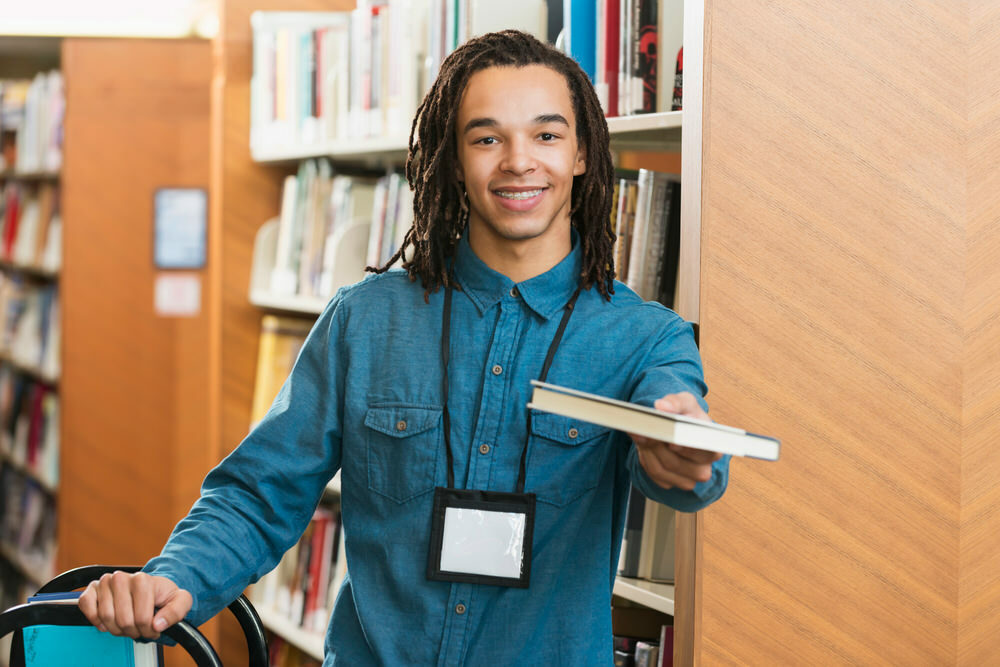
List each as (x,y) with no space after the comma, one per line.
(849,305)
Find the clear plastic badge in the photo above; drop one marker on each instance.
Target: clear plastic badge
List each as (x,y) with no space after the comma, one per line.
(481,537)
(483,542)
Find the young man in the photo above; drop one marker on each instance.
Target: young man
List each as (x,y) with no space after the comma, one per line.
(512,244)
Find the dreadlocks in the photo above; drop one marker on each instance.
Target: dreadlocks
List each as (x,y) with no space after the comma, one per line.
(440,213)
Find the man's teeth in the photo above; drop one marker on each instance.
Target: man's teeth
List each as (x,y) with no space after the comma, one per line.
(528,194)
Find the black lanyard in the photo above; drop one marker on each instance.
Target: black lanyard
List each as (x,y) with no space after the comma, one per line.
(445,335)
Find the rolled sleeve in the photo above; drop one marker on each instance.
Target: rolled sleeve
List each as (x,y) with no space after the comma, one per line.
(259,499)
(674,366)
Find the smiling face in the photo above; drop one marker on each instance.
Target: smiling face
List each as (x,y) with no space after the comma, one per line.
(518,154)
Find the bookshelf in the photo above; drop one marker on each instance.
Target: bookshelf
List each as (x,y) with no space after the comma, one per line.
(31,105)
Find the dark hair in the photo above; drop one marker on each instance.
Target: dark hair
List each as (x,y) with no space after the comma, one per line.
(440,213)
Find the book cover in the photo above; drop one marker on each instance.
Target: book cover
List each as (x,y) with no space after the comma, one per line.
(652,423)
(54,645)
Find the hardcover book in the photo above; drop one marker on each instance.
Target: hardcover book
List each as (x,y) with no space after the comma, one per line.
(652,423)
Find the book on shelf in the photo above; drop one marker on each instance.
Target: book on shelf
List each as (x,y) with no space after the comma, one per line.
(304,584)
(29,425)
(29,325)
(27,524)
(580,36)
(652,423)
(279,343)
(656,540)
(31,116)
(330,227)
(646,220)
(282,653)
(325,77)
(631,39)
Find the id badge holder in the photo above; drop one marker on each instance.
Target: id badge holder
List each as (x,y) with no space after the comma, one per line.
(481,537)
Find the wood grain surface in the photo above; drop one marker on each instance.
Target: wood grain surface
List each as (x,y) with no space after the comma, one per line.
(979,555)
(847,307)
(135,442)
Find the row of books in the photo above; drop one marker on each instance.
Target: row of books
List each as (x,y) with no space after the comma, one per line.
(646,218)
(648,545)
(642,637)
(280,340)
(330,76)
(27,523)
(303,587)
(29,325)
(637,55)
(330,225)
(31,226)
(29,425)
(632,652)
(31,119)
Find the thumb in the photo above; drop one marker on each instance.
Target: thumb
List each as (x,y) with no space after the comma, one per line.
(172,604)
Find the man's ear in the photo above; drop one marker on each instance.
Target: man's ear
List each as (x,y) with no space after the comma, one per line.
(580,167)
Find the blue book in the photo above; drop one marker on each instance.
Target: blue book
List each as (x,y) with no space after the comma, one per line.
(57,646)
(579,19)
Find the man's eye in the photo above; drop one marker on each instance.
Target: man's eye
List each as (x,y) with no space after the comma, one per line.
(486,141)
(547,136)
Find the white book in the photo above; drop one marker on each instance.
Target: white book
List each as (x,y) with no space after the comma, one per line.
(652,423)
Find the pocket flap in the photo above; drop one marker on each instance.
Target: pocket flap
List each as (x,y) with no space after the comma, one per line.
(565,430)
(400,421)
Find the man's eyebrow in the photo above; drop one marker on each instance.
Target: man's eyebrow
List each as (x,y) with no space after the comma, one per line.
(541,119)
(551,118)
(479,122)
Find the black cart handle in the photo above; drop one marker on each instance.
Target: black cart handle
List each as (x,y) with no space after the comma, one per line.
(47,613)
(241,608)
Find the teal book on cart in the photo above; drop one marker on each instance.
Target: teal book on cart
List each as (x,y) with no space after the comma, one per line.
(58,646)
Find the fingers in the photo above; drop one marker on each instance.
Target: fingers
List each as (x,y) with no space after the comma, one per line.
(683,403)
(88,605)
(174,603)
(669,468)
(125,604)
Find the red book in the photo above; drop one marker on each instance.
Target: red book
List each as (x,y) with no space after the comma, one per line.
(612,34)
(321,524)
(13,216)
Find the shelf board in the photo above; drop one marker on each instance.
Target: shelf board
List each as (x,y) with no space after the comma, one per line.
(46,486)
(647,593)
(35,271)
(14,175)
(29,370)
(305,305)
(651,131)
(309,642)
(387,149)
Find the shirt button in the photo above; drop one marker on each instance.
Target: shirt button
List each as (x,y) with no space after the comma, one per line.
(573,433)
(484,448)
(460,608)
(513,292)
(401,425)
(497,369)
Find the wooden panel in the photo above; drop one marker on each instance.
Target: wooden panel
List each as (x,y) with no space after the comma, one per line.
(979,583)
(134,389)
(833,229)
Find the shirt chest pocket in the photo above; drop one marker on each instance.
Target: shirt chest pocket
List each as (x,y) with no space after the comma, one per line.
(403,443)
(566,457)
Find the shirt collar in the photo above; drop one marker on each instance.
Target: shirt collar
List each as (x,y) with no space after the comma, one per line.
(546,294)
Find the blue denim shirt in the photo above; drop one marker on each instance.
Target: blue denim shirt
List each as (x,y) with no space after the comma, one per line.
(372,360)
